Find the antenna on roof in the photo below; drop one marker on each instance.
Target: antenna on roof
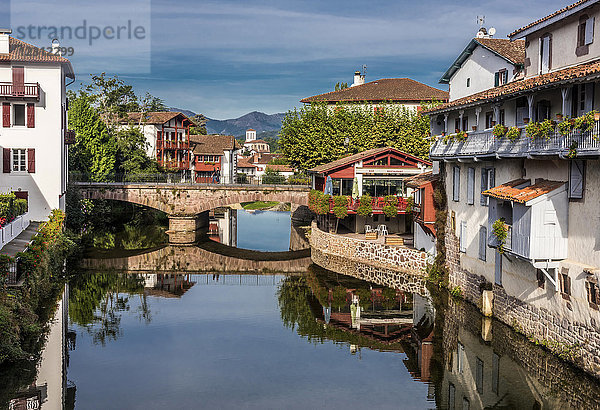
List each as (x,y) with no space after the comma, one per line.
(364,69)
(481,21)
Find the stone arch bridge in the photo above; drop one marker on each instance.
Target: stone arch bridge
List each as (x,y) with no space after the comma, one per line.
(187,205)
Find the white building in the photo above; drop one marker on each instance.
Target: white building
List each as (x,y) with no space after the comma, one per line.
(34,121)
(214,158)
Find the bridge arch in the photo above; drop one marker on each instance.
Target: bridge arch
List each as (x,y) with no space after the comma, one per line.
(191,199)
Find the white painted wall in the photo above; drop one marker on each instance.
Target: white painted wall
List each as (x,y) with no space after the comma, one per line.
(47,185)
(480,68)
(423,240)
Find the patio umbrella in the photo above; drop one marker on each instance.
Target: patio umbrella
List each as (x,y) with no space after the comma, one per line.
(329,186)
(355,193)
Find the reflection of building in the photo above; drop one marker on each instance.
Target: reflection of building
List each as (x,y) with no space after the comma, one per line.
(166,285)
(223,226)
(51,389)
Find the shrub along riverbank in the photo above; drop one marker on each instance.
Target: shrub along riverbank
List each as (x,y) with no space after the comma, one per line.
(25,310)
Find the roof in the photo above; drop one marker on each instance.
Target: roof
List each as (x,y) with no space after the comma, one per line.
(564,12)
(280,168)
(250,129)
(385,89)
(263,158)
(422,179)
(213,144)
(515,191)
(154,117)
(515,88)
(245,163)
(20,51)
(359,156)
(511,51)
(255,142)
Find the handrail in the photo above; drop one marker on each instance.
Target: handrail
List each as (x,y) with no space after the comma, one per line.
(9,89)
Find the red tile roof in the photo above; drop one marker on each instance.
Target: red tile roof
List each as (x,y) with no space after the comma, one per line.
(513,51)
(20,51)
(510,192)
(513,89)
(245,163)
(359,156)
(549,16)
(263,158)
(155,117)
(280,168)
(212,144)
(422,179)
(386,89)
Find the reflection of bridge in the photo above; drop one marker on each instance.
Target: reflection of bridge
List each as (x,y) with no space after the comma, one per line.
(188,204)
(207,257)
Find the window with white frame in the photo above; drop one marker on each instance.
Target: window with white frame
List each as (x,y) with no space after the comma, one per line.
(19,160)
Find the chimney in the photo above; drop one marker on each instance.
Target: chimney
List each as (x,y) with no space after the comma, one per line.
(4,41)
(359,79)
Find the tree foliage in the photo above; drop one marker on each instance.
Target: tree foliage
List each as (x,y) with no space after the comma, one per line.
(317,134)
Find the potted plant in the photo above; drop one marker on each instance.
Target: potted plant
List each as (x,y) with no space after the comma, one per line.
(474,127)
(559,116)
(443,133)
(513,133)
(456,130)
(526,120)
(499,130)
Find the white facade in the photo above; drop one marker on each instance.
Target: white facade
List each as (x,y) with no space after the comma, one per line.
(250,135)
(38,155)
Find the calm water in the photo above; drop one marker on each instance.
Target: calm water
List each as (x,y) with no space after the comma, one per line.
(162,340)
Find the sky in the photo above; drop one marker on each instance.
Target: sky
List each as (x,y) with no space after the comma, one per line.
(227,58)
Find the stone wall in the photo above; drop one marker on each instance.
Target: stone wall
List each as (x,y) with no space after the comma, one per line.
(533,321)
(396,258)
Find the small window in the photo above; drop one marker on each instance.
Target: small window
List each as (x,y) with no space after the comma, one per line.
(468,82)
(501,119)
(545,53)
(489,117)
(500,77)
(457,124)
(541,279)
(593,294)
(463,236)
(465,123)
(19,160)
(565,285)
(19,114)
(585,35)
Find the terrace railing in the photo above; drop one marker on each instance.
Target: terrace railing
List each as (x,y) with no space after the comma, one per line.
(26,90)
(377,204)
(484,143)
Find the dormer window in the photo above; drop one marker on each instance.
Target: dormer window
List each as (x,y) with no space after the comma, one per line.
(585,35)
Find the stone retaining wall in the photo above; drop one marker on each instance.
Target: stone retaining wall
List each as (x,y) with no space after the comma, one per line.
(533,321)
(395,258)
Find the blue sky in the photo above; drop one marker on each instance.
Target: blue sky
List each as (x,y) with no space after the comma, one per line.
(226,58)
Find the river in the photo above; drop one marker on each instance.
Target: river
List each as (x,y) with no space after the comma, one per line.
(309,338)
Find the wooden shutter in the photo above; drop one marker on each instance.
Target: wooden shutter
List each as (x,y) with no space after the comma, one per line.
(589,31)
(496,79)
(484,186)
(471,186)
(6,114)
(482,242)
(6,160)
(576,173)
(31,160)
(30,115)
(463,236)
(456,184)
(505,75)
(18,76)
(491,177)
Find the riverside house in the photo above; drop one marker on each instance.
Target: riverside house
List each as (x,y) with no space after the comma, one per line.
(167,137)
(214,158)
(378,172)
(523,189)
(34,120)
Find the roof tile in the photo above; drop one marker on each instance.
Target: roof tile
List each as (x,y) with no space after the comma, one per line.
(213,144)
(549,16)
(514,51)
(510,191)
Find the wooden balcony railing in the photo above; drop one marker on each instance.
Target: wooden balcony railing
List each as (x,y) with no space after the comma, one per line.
(485,144)
(69,137)
(27,90)
(166,144)
(377,205)
(180,165)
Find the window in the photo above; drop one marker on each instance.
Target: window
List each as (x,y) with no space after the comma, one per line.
(456,184)
(489,117)
(541,279)
(585,35)
(463,236)
(460,357)
(457,124)
(470,186)
(501,119)
(19,160)
(565,284)
(500,77)
(465,123)
(593,294)
(19,114)
(482,242)
(479,375)
(451,394)
(466,404)
(468,82)
(418,194)
(545,53)
(488,180)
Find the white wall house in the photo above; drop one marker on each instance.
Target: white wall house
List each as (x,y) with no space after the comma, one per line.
(214,158)
(34,124)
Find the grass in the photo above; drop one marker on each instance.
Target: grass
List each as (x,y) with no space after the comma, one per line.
(258,205)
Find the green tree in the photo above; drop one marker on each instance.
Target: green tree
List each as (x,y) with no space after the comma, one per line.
(340,86)
(199,127)
(131,157)
(317,133)
(94,151)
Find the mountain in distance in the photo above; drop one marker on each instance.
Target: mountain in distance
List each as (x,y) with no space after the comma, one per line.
(259,121)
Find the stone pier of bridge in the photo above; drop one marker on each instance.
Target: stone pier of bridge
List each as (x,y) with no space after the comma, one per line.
(186,229)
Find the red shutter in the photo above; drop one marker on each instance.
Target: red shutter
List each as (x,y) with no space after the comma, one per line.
(31,160)
(6,160)
(18,75)
(30,115)
(6,114)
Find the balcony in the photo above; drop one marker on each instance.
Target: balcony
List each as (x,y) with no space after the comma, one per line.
(377,205)
(482,144)
(27,90)
(167,144)
(174,165)
(69,137)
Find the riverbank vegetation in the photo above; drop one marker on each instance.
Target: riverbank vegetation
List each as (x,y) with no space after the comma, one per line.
(318,133)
